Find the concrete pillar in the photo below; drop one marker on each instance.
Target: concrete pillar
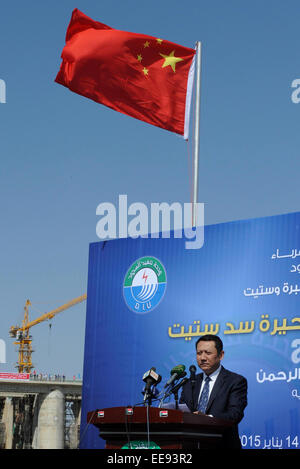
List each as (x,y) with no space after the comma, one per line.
(51,419)
(74,427)
(35,418)
(8,418)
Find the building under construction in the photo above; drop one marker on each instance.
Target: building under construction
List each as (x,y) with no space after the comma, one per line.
(37,414)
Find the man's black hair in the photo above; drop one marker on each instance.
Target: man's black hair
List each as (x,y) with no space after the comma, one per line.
(212,338)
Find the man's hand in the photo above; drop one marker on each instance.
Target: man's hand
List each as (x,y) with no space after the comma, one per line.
(201,413)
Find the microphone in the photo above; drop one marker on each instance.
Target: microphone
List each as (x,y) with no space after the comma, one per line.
(153,391)
(174,389)
(176,373)
(192,375)
(158,380)
(150,378)
(179,385)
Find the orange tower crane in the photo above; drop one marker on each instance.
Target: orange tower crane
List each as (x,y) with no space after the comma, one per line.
(24,339)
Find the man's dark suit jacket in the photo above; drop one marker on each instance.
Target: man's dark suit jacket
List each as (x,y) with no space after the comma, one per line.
(227,401)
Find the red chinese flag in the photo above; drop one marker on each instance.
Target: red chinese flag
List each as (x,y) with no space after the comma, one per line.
(141,76)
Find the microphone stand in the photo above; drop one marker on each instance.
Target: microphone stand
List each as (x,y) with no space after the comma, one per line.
(148,398)
(166,394)
(193,401)
(176,389)
(176,398)
(147,402)
(193,382)
(173,390)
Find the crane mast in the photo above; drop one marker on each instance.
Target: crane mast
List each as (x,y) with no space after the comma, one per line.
(23,337)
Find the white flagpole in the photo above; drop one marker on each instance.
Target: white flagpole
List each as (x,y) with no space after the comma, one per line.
(197,125)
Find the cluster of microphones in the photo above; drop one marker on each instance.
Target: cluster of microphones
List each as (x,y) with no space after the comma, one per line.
(177,379)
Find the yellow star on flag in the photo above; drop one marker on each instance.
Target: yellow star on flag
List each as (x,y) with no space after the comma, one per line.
(147,44)
(139,57)
(145,71)
(170,60)
(159,41)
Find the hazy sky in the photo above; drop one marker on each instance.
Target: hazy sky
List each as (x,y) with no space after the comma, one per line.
(62,154)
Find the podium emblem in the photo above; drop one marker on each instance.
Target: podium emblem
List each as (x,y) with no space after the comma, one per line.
(141,444)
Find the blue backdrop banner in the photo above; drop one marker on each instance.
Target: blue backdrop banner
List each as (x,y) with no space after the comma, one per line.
(149,300)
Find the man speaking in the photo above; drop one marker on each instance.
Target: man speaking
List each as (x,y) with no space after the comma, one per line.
(216,392)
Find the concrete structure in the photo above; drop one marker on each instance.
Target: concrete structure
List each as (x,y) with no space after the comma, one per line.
(49,432)
(39,414)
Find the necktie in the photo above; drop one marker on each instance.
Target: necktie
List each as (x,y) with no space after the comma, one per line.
(204,396)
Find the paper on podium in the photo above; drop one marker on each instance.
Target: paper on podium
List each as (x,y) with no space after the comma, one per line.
(172,405)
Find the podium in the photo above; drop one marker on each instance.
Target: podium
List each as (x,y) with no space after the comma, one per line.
(157,428)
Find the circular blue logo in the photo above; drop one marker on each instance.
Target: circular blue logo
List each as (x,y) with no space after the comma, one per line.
(144,284)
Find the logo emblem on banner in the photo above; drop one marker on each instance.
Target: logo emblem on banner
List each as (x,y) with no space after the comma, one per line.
(144,284)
